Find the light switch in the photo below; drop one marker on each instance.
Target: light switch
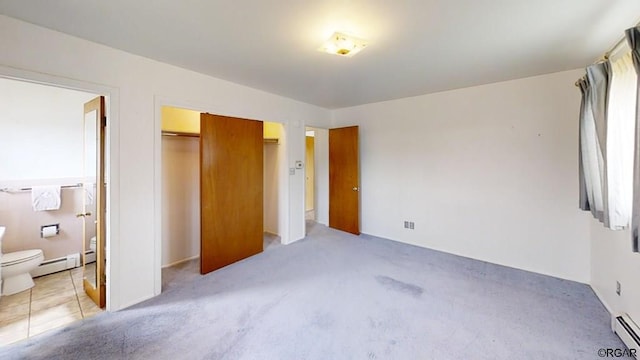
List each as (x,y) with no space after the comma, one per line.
(292,171)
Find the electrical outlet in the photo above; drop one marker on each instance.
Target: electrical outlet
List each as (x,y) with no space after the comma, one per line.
(409,225)
(618,288)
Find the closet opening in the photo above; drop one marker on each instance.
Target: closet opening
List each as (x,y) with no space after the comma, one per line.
(181,197)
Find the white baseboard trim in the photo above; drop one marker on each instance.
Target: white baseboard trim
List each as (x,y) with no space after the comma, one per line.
(181,261)
(604,303)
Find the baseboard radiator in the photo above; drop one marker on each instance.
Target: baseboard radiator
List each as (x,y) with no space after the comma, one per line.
(89,256)
(628,331)
(54,265)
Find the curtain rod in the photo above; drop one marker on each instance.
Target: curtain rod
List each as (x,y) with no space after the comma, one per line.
(613,49)
(608,53)
(615,46)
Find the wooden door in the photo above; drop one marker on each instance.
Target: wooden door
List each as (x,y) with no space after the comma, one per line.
(94,202)
(344,180)
(231,190)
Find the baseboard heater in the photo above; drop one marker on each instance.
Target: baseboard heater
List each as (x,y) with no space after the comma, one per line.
(54,265)
(90,256)
(628,332)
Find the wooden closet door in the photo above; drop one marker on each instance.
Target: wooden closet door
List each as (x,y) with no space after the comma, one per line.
(231,190)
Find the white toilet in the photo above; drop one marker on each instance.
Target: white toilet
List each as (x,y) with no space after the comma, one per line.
(15,268)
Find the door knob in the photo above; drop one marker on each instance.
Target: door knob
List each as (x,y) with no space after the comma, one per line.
(355,188)
(83,215)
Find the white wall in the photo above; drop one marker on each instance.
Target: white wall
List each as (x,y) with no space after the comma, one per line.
(23,224)
(612,260)
(42,131)
(488,172)
(139,88)
(180,199)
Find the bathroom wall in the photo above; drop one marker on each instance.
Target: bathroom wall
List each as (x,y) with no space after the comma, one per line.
(23,223)
(42,131)
(41,143)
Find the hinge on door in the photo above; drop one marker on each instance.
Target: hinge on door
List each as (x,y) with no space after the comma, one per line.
(103,122)
(103,279)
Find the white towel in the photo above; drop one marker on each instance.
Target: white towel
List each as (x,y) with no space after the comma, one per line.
(89,193)
(45,197)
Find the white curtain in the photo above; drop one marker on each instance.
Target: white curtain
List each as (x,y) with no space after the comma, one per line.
(607,134)
(633,39)
(621,109)
(593,140)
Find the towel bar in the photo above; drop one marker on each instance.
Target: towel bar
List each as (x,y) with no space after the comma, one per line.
(8,190)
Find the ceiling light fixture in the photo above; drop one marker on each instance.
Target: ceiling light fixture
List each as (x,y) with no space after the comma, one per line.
(343,45)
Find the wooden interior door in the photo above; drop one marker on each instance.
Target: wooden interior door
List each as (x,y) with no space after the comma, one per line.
(344,180)
(94,202)
(231,190)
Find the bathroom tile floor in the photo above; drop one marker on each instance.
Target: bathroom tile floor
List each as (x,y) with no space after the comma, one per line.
(56,300)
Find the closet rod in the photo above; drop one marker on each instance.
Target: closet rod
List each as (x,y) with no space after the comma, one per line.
(177,133)
(194,135)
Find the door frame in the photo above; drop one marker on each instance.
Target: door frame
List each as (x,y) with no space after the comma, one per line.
(323,197)
(283,176)
(321,170)
(112,155)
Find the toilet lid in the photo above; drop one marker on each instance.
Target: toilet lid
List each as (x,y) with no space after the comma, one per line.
(20,256)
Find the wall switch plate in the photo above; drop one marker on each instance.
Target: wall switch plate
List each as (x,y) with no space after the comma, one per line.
(292,171)
(618,288)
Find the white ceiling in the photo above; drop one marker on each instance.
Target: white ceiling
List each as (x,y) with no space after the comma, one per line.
(415,46)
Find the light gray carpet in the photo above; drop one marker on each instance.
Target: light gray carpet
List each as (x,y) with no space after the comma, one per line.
(338,296)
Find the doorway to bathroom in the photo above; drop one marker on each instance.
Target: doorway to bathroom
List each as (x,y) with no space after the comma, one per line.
(182,198)
(43,145)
